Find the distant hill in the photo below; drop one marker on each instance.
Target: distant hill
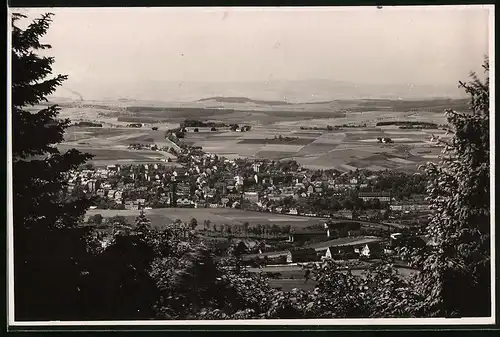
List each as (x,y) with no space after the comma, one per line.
(268,93)
(221,99)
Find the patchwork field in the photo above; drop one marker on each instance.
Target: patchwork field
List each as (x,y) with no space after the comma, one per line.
(117,135)
(104,157)
(161,216)
(110,145)
(347,148)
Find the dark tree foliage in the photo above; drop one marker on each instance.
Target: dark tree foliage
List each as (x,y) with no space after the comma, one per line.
(142,224)
(193,223)
(49,251)
(400,184)
(95,219)
(117,283)
(456,265)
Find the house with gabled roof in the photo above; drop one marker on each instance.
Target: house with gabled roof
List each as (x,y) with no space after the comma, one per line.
(340,253)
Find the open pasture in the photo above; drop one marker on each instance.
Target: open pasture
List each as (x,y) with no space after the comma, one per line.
(355,136)
(269,141)
(77,133)
(274,155)
(113,136)
(362,150)
(426,151)
(316,163)
(262,115)
(282,148)
(307,134)
(315,149)
(103,156)
(162,216)
(334,158)
(110,145)
(331,138)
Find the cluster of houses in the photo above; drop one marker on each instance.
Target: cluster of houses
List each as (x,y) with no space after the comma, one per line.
(195,187)
(370,249)
(408,207)
(141,146)
(93,180)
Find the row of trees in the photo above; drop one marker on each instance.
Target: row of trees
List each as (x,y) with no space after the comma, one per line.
(333,127)
(190,123)
(67,272)
(246,229)
(88,124)
(323,204)
(401,185)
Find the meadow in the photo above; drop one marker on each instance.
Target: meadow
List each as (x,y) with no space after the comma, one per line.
(110,145)
(162,216)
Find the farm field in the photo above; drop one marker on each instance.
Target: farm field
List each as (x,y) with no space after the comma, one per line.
(346,149)
(110,145)
(113,136)
(161,216)
(109,156)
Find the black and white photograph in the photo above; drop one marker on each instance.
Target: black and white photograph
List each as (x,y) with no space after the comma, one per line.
(250,166)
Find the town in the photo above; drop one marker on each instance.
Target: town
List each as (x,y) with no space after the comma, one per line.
(359,213)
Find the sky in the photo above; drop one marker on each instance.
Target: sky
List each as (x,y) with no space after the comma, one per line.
(101,48)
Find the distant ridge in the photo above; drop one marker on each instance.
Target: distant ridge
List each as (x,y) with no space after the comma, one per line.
(221,99)
(272,93)
(363,101)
